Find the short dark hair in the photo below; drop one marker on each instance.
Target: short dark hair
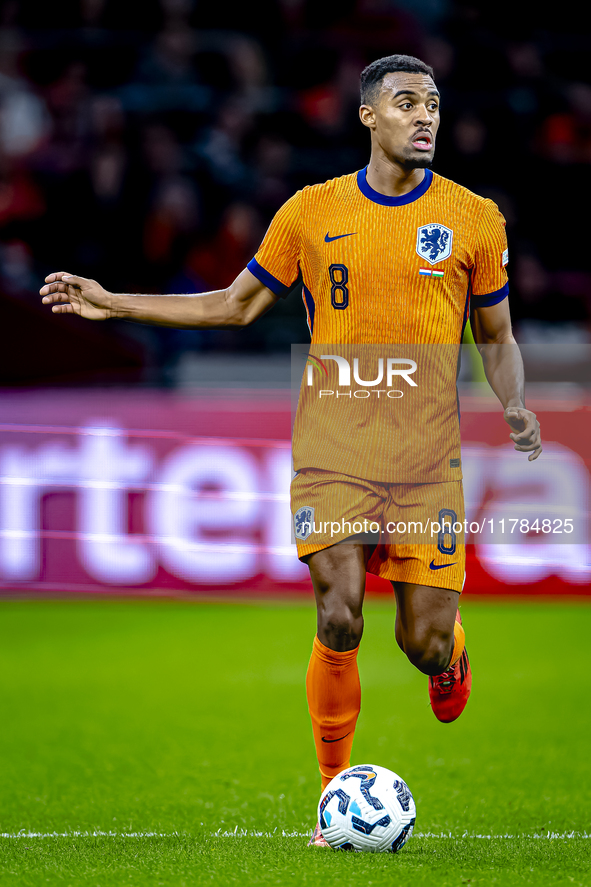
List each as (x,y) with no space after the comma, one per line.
(372,76)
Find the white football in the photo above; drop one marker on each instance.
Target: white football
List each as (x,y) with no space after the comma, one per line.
(367,808)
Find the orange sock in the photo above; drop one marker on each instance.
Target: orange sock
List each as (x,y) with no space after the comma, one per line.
(459,643)
(334,700)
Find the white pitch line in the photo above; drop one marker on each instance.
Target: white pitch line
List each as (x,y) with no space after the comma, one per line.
(95,834)
(244,833)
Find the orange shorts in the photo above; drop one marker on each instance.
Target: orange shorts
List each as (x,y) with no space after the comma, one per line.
(418,528)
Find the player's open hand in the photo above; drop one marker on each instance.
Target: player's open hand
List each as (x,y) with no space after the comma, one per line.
(69,294)
(526,431)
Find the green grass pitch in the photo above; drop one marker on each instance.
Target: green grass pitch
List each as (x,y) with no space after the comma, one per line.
(156,728)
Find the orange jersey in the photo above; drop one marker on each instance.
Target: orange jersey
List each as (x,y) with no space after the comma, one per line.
(380,270)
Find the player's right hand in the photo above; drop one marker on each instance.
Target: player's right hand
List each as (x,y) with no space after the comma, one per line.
(69,294)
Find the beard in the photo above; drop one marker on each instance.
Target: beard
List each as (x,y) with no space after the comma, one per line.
(410,163)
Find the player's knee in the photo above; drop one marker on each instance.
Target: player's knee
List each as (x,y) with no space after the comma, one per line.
(431,654)
(340,628)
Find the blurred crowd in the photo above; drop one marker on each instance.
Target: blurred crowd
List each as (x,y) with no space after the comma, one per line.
(149,145)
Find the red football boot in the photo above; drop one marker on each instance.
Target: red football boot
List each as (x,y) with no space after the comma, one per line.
(317,839)
(449,691)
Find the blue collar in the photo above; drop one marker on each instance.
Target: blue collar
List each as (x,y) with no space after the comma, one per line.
(410,197)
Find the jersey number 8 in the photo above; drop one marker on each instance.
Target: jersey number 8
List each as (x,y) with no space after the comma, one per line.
(339,291)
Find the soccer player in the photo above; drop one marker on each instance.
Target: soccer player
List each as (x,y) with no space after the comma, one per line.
(393,253)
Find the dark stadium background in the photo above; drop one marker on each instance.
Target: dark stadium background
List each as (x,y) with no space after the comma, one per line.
(148,146)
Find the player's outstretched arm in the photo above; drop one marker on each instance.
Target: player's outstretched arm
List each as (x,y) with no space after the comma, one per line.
(236,306)
(504,370)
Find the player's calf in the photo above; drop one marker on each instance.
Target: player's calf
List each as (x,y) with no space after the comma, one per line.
(425,625)
(450,690)
(332,683)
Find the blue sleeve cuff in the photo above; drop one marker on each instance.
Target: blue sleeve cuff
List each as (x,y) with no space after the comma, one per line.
(267,279)
(488,299)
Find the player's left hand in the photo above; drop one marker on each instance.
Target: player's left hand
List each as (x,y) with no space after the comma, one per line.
(526,431)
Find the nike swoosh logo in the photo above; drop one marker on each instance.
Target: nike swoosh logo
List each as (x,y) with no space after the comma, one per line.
(328,239)
(434,566)
(335,740)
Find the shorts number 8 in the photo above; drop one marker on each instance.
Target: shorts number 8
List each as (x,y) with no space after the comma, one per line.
(447,518)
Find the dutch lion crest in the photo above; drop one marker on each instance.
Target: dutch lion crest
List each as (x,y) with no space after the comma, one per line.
(303,522)
(434,242)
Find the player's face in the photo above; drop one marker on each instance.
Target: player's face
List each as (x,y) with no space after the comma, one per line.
(405,119)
